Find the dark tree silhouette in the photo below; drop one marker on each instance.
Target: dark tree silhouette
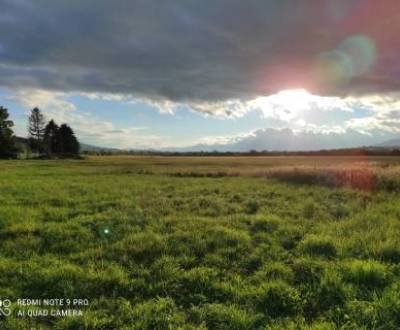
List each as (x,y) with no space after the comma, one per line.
(7,139)
(50,138)
(36,130)
(67,142)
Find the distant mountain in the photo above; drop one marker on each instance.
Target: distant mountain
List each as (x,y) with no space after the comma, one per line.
(265,140)
(90,148)
(23,142)
(287,140)
(390,143)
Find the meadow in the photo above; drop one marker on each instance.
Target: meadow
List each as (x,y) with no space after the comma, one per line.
(204,242)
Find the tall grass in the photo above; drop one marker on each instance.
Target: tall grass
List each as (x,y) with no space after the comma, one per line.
(261,244)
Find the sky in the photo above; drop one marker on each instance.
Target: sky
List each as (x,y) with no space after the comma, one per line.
(175,74)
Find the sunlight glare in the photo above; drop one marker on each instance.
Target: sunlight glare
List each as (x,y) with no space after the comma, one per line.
(293,98)
(292,104)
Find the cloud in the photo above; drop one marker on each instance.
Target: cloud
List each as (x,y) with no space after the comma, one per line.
(297,110)
(384,113)
(225,139)
(31,98)
(200,52)
(288,140)
(88,127)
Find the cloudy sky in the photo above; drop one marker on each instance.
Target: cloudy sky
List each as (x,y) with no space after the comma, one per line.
(171,73)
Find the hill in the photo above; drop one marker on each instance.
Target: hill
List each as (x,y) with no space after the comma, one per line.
(287,140)
(390,143)
(88,148)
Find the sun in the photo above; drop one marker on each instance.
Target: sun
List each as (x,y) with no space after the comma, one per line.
(286,104)
(293,98)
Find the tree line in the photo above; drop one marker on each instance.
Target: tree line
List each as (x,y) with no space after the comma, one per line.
(45,139)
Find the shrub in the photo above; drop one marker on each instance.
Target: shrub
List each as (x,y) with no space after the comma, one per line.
(303,176)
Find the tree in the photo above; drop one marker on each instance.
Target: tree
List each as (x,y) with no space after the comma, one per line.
(50,138)
(7,139)
(36,129)
(67,142)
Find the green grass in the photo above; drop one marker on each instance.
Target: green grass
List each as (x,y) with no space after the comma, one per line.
(204,243)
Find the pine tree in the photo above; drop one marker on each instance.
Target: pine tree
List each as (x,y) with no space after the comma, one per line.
(7,139)
(68,143)
(36,130)
(50,138)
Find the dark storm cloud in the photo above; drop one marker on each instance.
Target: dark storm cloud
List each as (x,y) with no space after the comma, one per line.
(196,50)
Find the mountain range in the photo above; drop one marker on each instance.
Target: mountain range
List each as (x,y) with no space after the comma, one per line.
(272,140)
(390,143)
(287,140)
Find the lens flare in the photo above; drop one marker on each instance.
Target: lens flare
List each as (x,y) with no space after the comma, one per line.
(334,67)
(361,51)
(340,9)
(104,232)
(353,57)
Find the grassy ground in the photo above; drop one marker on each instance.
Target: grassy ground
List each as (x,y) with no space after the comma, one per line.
(204,243)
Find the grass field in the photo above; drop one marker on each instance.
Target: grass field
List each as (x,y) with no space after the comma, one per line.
(204,243)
